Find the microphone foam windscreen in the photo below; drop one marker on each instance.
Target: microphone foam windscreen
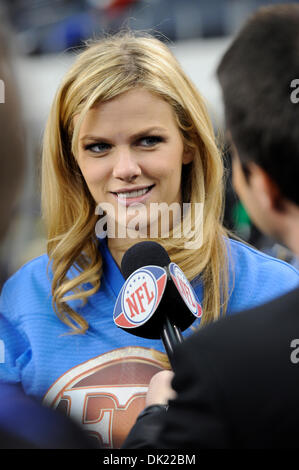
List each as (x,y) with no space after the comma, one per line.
(143,254)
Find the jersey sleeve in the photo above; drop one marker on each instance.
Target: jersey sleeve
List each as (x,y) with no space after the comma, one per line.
(257,278)
(14,346)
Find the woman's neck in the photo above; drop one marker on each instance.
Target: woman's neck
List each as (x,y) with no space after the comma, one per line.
(118,247)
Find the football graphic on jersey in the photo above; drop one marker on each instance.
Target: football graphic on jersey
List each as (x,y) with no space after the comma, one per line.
(106,394)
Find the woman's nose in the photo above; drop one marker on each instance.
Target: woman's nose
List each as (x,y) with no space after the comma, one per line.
(126,167)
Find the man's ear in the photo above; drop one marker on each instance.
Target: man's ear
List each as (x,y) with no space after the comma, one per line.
(266,190)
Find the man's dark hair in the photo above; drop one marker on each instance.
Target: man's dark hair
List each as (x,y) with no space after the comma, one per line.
(256,74)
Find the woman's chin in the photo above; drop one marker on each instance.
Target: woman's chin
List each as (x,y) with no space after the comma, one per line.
(134,228)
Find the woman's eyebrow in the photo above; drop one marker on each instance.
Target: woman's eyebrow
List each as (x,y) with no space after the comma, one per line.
(93,138)
(97,138)
(148,130)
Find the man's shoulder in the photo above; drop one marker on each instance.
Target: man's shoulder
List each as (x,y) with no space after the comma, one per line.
(252,333)
(242,367)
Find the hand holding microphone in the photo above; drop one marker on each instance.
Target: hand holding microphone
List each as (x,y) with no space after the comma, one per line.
(157,300)
(160,390)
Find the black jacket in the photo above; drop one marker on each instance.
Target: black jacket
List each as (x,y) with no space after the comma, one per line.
(237,382)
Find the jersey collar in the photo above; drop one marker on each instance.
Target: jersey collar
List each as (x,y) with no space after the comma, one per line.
(111,271)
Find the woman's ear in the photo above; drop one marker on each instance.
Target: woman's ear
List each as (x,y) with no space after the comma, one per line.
(188,155)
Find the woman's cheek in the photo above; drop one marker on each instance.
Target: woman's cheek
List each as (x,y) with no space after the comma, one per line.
(93,174)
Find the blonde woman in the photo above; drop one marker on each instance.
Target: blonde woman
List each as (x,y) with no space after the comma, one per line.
(126,127)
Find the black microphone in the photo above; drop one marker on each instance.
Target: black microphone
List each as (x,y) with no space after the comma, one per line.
(156,301)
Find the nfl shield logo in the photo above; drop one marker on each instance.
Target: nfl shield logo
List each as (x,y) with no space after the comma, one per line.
(140,296)
(185,289)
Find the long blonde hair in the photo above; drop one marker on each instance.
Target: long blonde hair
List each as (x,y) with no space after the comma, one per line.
(104,70)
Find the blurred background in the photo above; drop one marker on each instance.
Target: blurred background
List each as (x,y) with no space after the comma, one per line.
(47,35)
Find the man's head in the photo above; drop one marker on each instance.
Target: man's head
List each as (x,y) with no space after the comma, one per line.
(256,75)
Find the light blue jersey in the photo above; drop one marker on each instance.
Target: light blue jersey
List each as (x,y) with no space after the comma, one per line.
(100,378)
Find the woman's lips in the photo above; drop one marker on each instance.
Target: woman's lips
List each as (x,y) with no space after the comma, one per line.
(127,201)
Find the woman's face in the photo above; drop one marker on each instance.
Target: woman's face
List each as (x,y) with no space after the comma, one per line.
(130,153)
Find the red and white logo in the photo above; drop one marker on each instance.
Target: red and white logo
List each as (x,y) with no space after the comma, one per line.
(139,297)
(185,289)
(106,393)
(139,300)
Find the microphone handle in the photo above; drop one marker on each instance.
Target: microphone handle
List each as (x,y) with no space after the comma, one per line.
(171,336)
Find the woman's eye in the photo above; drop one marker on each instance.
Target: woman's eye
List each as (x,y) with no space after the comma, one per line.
(150,141)
(98,148)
